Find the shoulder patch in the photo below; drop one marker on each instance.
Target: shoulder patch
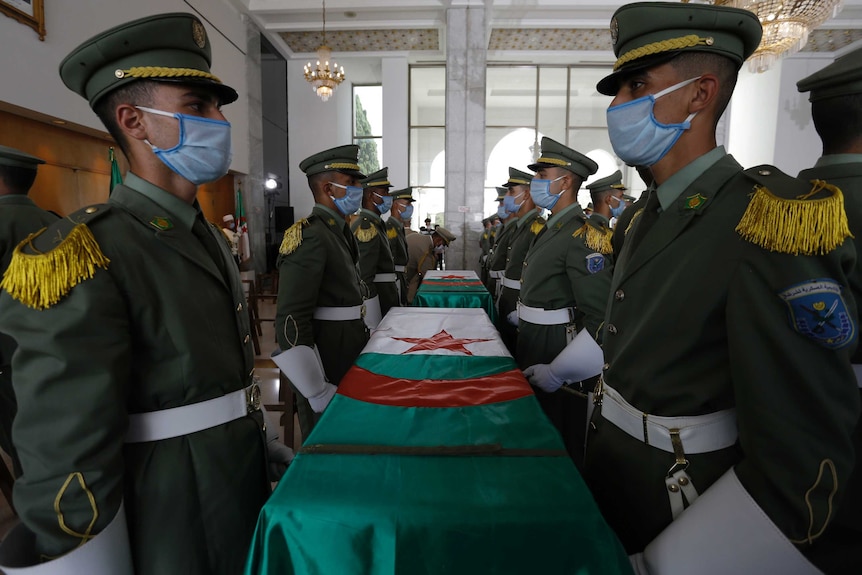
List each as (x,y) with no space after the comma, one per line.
(292,237)
(817,310)
(537,226)
(595,262)
(49,263)
(596,239)
(800,225)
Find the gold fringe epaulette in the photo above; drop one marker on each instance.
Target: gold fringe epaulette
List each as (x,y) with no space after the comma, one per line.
(41,280)
(292,237)
(598,240)
(636,215)
(537,226)
(366,234)
(796,226)
(391,233)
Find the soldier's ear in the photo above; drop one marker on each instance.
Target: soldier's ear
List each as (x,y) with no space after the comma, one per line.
(131,121)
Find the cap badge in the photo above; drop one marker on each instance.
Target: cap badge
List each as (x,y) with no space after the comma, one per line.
(199,34)
(161,223)
(615,30)
(694,202)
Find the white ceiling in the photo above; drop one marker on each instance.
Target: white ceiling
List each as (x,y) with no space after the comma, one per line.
(562,31)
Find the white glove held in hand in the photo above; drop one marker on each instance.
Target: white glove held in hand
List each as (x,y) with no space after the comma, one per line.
(512,318)
(278,454)
(543,377)
(321,400)
(580,360)
(301,366)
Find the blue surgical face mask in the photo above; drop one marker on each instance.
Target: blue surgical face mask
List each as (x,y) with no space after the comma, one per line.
(618,211)
(350,201)
(384,206)
(540,191)
(502,213)
(408,212)
(510,205)
(203,152)
(637,137)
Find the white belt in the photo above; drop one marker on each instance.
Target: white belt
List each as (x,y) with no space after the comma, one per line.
(541,316)
(511,284)
(857,369)
(697,433)
(188,419)
(341,313)
(496,274)
(384,278)
(400,268)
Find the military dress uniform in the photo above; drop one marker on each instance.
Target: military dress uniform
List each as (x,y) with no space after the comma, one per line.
(564,289)
(625,222)
(19,217)
(726,383)
(398,243)
(376,265)
(838,550)
(495,264)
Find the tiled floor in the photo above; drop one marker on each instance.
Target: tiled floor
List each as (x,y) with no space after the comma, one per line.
(269,383)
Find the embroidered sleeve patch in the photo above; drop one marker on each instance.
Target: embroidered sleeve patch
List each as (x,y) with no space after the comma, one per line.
(595,262)
(818,311)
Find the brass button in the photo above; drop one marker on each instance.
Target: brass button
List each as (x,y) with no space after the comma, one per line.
(764,172)
(247,337)
(606,367)
(672,488)
(239,306)
(612,329)
(619,295)
(683,481)
(91,210)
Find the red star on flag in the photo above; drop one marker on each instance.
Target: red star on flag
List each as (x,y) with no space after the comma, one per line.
(452,277)
(441,340)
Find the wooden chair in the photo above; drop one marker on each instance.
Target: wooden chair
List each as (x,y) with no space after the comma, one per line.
(287,406)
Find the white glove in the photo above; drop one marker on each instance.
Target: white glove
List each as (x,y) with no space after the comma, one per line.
(512,318)
(301,366)
(321,400)
(638,564)
(580,360)
(278,454)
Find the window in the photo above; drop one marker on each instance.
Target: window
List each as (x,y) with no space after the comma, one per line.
(368,126)
(428,143)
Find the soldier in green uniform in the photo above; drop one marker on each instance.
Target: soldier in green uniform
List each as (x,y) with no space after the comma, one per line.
(564,288)
(608,202)
(836,108)
(138,426)
(19,217)
(375,256)
(485,247)
(528,223)
(496,262)
(721,436)
(402,209)
(319,320)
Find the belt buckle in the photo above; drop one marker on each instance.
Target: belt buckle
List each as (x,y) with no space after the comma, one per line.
(362,311)
(252,397)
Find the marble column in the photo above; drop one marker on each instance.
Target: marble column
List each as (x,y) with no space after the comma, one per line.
(466,39)
(252,183)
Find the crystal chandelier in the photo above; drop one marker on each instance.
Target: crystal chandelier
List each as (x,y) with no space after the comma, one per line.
(322,78)
(786,25)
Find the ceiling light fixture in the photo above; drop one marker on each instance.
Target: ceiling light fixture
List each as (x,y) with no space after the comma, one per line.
(323,78)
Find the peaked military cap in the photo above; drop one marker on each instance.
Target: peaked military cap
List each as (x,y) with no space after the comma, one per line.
(518,178)
(342,159)
(402,194)
(612,182)
(166,48)
(501,193)
(556,155)
(12,158)
(445,234)
(379,179)
(646,34)
(842,77)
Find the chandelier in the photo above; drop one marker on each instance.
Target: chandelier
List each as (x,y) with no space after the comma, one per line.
(322,78)
(786,25)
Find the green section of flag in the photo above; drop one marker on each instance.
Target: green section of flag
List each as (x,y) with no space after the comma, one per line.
(116,176)
(419,365)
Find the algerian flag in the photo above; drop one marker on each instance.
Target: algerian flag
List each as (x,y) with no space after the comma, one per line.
(116,176)
(434,457)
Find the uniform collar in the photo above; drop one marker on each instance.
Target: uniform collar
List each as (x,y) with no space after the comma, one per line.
(670,190)
(368,213)
(174,207)
(332,213)
(526,217)
(559,215)
(17,199)
(599,219)
(838,159)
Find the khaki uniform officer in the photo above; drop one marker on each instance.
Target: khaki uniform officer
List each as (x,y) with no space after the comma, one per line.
(319,318)
(499,240)
(836,107)
(421,257)
(134,369)
(721,438)
(402,209)
(564,286)
(375,256)
(19,217)
(528,223)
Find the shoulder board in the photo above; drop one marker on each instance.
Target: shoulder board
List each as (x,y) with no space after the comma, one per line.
(391,233)
(364,230)
(537,226)
(49,263)
(292,237)
(596,239)
(790,216)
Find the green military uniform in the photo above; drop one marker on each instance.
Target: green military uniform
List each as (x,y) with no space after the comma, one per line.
(624,223)
(837,87)
(495,263)
(19,217)
(733,328)
(121,310)
(376,264)
(398,242)
(562,272)
(319,275)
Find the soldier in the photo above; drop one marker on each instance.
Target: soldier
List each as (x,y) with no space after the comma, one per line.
(19,217)
(721,437)
(321,297)
(519,203)
(608,202)
(485,247)
(402,209)
(231,236)
(564,289)
(420,256)
(375,257)
(499,240)
(135,354)
(836,108)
